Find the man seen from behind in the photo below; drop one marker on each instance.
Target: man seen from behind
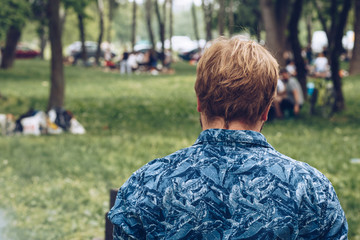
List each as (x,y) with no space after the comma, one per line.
(231,184)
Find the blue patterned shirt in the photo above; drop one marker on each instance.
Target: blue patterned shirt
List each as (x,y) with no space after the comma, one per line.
(229,185)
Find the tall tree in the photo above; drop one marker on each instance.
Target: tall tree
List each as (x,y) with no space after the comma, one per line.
(12,37)
(194,18)
(324,15)
(39,12)
(100,7)
(253,17)
(336,13)
(57,89)
(335,51)
(148,17)
(133,25)
(79,7)
(221,17)
(308,20)
(162,21)
(112,6)
(274,15)
(355,60)
(82,37)
(293,29)
(247,16)
(207,6)
(231,17)
(171,25)
(13,14)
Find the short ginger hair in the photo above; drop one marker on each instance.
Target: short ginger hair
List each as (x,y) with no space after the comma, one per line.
(236,80)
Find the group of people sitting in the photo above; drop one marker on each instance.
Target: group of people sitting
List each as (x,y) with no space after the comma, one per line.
(290,97)
(144,61)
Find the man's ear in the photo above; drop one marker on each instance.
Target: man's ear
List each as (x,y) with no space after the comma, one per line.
(198,105)
(264,116)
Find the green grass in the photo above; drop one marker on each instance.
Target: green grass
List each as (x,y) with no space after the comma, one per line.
(56,187)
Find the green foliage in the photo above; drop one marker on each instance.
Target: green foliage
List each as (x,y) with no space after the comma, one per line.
(79,6)
(13,13)
(183,23)
(71,28)
(56,187)
(123,20)
(246,16)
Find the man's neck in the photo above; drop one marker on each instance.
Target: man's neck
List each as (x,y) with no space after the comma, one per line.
(219,123)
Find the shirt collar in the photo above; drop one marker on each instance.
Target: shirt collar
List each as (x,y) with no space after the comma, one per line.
(225,136)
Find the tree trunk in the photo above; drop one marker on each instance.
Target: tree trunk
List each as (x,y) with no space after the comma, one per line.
(100,5)
(281,15)
(133,26)
(148,9)
(161,22)
(41,30)
(171,25)
(82,38)
(257,13)
(334,21)
(275,33)
(57,89)
(12,37)
(293,29)
(308,29)
(231,18)
(221,17)
(111,16)
(208,10)
(355,60)
(335,52)
(321,18)
(43,40)
(194,18)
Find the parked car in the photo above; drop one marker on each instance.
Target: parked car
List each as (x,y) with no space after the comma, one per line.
(74,50)
(25,52)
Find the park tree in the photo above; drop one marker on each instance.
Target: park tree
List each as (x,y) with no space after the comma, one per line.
(38,8)
(162,20)
(80,15)
(355,60)
(195,25)
(171,24)
(333,17)
(230,13)
(57,88)
(247,16)
(133,25)
(148,17)
(207,6)
(100,7)
(161,17)
(221,17)
(308,18)
(13,15)
(79,6)
(293,37)
(274,15)
(112,6)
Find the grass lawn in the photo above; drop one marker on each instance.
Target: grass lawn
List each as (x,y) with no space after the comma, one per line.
(57,187)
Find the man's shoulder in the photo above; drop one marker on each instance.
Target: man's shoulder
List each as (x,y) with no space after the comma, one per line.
(294,171)
(166,163)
